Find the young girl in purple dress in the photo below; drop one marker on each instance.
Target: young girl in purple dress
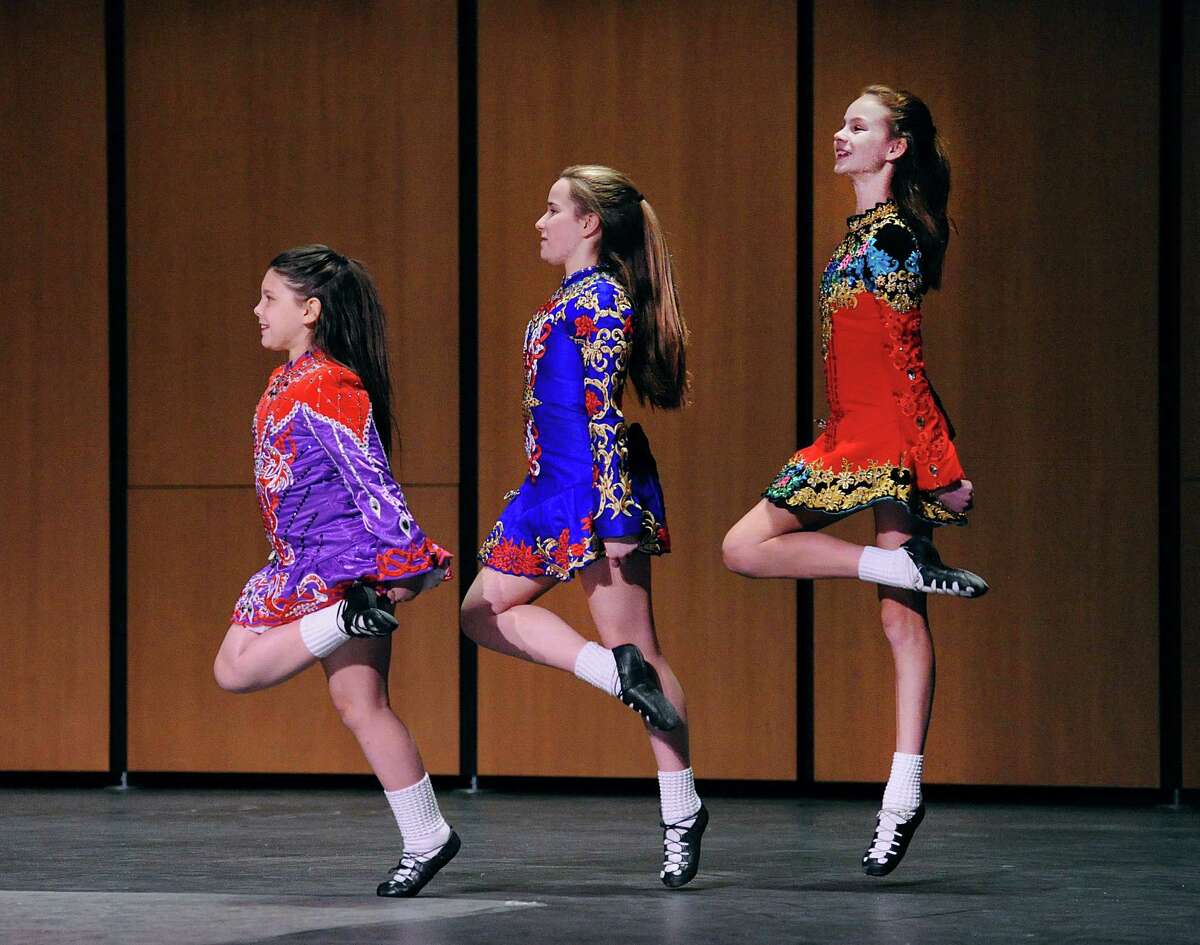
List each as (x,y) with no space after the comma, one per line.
(591,502)
(344,546)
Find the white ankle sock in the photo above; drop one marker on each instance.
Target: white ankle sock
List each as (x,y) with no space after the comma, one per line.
(321,631)
(903,791)
(598,666)
(891,568)
(418,816)
(677,796)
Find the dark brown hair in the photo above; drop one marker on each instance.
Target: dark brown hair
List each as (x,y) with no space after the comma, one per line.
(351,327)
(921,180)
(633,246)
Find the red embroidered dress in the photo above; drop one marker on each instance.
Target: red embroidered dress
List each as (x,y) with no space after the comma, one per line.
(887,437)
(332,511)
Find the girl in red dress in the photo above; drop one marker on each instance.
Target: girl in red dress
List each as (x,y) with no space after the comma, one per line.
(887,442)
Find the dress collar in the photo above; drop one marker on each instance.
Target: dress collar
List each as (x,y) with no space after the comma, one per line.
(301,362)
(881,210)
(578,276)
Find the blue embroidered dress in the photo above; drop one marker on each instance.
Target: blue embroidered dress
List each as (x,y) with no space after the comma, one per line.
(590,477)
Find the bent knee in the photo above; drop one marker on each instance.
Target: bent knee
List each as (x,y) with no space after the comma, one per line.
(475,616)
(228,677)
(739,555)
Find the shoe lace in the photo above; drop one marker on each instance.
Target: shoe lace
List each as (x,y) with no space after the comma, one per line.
(887,837)
(676,850)
(406,869)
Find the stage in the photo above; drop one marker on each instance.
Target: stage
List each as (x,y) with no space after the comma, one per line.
(153,866)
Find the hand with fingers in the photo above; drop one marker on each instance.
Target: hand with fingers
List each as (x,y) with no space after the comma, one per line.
(958,496)
(403,591)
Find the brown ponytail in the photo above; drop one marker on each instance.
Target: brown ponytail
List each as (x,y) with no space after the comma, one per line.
(921,181)
(633,246)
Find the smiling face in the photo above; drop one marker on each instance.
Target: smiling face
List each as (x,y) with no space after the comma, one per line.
(864,145)
(285,319)
(567,236)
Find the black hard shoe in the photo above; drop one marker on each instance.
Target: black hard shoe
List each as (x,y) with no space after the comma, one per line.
(681,850)
(890,842)
(641,690)
(936,577)
(416,869)
(366,613)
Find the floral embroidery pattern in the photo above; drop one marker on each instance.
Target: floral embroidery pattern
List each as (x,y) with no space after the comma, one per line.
(812,486)
(886,437)
(575,355)
(555,557)
(859,264)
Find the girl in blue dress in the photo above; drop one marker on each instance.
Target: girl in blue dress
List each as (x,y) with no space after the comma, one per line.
(591,501)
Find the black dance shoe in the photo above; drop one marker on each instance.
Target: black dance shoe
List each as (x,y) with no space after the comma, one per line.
(890,842)
(681,850)
(641,690)
(937,578)
(366,613)
(416,869)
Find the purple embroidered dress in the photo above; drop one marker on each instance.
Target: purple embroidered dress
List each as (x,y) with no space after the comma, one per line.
(332,511)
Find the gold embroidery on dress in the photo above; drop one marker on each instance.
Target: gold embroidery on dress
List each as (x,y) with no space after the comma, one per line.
(902,290)
(851,488)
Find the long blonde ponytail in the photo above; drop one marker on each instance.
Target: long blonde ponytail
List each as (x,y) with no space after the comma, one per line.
(632,244)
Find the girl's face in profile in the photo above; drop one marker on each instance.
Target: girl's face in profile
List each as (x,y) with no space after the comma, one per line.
(285,320)
(561,227)
(864,143)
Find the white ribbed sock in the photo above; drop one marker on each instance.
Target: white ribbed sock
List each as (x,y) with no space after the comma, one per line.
(598,666)
(903,791)
(678,797)
(321,630)
(418,816)
(891,568)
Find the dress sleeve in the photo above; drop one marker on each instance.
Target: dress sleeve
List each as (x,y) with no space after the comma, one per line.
(601,323)
(893,275)
(337,413)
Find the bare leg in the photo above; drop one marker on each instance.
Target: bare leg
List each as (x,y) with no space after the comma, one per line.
(906,626)
(620,602)
(498,613)
(357,672)
(770,542)
(249,661)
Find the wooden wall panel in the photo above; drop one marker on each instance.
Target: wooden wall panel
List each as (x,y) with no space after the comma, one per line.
(254,127)
(258,126)
(54,386)
(696,101)
(1043,344)
(179,720)
(1189,126)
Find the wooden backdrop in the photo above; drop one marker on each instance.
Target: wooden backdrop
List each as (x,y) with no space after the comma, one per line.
(697,102)
(54,388)
(1043,344)
(253,127)
(1190,399)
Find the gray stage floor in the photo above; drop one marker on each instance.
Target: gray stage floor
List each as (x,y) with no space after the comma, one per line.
(171,867)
